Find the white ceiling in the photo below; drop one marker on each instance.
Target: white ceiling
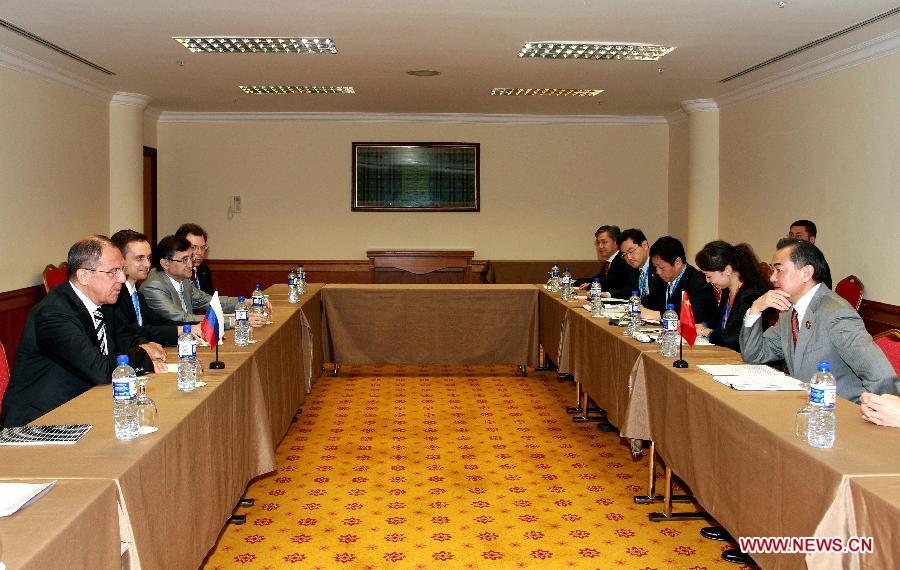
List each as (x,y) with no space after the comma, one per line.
(473,43)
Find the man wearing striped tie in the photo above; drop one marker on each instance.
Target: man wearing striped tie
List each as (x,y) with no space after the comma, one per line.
(131,305)
(72,336)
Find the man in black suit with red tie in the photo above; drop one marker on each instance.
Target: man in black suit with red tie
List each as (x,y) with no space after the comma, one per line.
(131,304)
(73,336)
(201,278)
(615,274)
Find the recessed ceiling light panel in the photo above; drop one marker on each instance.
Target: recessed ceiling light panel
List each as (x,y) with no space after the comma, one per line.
(504,91)
(235,44)
(423,73)
(296,90)
(625,51)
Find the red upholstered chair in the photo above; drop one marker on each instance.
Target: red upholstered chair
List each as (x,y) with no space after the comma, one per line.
(851,289)
(54,276)
(4,372)
(889,343)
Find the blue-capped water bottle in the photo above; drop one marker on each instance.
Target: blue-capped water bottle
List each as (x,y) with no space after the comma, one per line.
(293,289)
(187,360)
(596,298)
(565,286)
(822,396)
(241,323)
(553,283)
(668,337)
(634,314)
(301,278)
(125,412)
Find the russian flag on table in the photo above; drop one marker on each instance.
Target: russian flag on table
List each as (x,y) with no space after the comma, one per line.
(686,320)
(213,325)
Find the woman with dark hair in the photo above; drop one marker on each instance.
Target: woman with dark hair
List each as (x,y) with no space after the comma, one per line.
(734,269)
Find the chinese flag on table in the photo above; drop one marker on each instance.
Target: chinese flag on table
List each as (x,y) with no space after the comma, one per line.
(686,320)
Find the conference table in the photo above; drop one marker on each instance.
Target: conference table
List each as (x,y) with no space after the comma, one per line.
(177,487)
(163,498)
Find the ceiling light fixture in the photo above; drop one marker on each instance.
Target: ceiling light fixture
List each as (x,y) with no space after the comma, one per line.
(296,90)
(423,73)
(626,51)
(235,44)
(505,91)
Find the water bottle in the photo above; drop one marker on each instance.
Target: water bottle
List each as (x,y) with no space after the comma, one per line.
(258,301)
(634,312)
(241,323)
(125,412)
(822,394)
(566,285)
(553,283)
(668,338)
(301,279)
(187,360)
(596,298)
(293,289)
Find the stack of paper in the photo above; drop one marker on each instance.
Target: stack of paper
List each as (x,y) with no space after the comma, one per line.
(44,435)
(751,377)
(14,496)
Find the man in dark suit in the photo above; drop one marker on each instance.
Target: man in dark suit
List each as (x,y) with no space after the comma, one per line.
(131,304)
(668,258)
(73,336)
(815,324)
(615,274)
(201,277)
(635,250)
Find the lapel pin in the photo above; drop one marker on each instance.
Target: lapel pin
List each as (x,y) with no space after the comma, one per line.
(808,325)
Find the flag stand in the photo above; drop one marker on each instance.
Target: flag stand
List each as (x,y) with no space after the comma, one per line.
(681,362)
(217,364)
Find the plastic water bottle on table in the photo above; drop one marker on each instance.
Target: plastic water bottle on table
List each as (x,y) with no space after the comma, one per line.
(187,360)
(596,295)
(822,396)
(241,323)
(668,338)
(634,314)
(125,412)
(293,288)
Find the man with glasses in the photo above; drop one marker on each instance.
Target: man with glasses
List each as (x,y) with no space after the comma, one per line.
(635,249)
(170,291)
(201,276)
(73,336)
(132,305)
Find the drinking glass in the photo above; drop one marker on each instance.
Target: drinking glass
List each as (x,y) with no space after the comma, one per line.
(801,420)
(146,409)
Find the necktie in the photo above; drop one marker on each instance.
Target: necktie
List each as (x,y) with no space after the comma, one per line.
(137,308)
(196,279)
(643,283)
(668,292)
(795,326)
(605,270)
(100,330)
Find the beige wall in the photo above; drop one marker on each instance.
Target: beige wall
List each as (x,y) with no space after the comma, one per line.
(54,173)
(678,180)
(544,188)
(150,118)
(828,151)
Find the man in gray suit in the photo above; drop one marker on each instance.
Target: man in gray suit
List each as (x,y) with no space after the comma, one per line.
(169,291)
(815,324)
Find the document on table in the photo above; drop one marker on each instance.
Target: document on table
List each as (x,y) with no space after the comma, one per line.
(14,496)
(751,377)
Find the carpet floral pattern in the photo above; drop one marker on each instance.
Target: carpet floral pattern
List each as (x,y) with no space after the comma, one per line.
(452,467)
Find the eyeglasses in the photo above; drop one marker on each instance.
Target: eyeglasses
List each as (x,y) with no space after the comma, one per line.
(182,260)
(199,247)
(630,251)
(116,272)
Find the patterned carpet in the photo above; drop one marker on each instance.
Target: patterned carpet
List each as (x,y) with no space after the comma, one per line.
(452,467)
